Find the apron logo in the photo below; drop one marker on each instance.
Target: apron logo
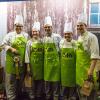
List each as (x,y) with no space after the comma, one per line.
(37,49)
(48,49)
(67,55)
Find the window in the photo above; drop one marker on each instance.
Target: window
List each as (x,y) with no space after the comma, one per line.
(94,16)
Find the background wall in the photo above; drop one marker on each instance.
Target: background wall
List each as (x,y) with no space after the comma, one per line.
(59,10)
(3,20)
(3,28)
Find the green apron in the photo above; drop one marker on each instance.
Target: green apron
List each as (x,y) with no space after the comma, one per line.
(51,63)
(82,64)
(19,44)
(68,67)
(37,60)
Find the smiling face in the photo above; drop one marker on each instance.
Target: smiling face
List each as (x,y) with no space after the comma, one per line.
(48,30)
(18,28)
(35,33)
(68,36)
(81,28)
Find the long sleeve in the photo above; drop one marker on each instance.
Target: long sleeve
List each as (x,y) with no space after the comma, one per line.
(7,42)
(27,52)
(61,43)
(57,38)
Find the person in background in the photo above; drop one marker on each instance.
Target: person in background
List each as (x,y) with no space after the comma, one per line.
(87,52)
(34,57)
(51,61)
(97,68)
(68,64)
(14,44)
(2,89)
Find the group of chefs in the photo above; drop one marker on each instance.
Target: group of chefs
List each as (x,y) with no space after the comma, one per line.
(58,65)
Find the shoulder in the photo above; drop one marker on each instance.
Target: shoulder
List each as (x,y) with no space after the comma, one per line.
(9,35)
(56,35)
(62,41)
(92,36)
(41,40)
(74,41)
(25,35)
(29,42)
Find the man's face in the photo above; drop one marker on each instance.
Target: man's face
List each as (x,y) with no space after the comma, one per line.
(68,36)
(81,28)
(48,29)
(35,34)
(18,28)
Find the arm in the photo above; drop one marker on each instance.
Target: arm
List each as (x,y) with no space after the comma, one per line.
(27,57)
(61,43)
(28,68)
(94,47)
(92,66)
(27,53)
(7,43)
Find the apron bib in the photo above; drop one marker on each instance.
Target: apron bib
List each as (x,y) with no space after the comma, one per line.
(68,67)
(19,44)
(51,63)
(37,61)
(82,64)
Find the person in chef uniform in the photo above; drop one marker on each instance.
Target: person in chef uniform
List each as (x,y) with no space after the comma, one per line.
(51,61)
(87,52)
(68,64)
(14,44)
(34,58)
(97,68)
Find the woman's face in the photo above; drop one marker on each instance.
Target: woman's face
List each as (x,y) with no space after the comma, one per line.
(68,36)
(35,34)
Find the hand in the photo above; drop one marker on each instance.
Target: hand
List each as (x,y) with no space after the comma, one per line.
(13,50)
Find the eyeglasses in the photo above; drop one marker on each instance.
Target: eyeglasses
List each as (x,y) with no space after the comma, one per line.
(18,26)
(46,27)
(80,25)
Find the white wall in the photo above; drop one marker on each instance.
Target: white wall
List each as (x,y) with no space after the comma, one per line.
(3,28)
(3,20)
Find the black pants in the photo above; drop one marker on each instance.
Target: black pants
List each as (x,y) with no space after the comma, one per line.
(52,90)
(68,93)
(13,86)
(37,90)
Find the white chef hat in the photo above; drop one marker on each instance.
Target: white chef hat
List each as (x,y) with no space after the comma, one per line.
(36,26)
(82,18)
(68,27)
(19,20)
(48,21)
